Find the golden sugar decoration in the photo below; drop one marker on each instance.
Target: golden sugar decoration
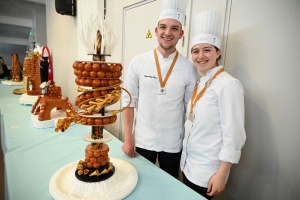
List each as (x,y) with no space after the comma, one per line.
(95,105)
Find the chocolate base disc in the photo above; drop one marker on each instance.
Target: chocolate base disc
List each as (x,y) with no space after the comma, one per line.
(103,177)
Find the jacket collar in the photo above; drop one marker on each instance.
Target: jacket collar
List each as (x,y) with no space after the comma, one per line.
(210,73)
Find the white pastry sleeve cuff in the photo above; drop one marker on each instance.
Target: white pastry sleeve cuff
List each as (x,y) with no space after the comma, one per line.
(229,155)
(125,103)
(126,100)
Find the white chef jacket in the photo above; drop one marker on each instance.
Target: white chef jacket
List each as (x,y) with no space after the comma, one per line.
(160,117)
(217,132)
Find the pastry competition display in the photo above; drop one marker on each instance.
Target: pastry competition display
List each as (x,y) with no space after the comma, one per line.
(96,176)
(16,69)
(32,78)
(44,114)
(44,97)
(15,72)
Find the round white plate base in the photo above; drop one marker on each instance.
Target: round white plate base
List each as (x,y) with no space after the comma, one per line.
(26,99)
(9,82)
(65,186)
(106,137)
(55,116)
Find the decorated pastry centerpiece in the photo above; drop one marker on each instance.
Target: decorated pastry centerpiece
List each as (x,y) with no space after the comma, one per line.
(32,74)
(99,87)
(46,95)
(43,113)
(15,72)
(16,69)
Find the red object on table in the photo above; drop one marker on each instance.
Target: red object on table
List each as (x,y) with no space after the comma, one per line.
(50,69)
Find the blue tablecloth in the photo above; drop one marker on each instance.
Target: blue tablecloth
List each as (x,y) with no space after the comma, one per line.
(32,156)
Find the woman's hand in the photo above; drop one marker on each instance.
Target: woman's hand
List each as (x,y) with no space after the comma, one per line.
(217,182)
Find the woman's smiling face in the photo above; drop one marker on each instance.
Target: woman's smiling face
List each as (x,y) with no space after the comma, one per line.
(204,57)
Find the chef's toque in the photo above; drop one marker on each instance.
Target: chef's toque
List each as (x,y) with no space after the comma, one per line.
(207,28)
(174,9)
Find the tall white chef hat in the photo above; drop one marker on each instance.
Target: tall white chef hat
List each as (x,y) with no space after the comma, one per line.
(207,28)
(174,9)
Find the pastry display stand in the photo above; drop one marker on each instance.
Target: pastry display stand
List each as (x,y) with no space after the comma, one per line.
(55,116)
(65,186)
(26,99)
(19,91)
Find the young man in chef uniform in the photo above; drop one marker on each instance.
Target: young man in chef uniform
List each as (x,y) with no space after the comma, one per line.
(160,82)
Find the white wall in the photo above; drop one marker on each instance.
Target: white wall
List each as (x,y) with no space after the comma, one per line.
(63,44)
(115,16)
(41,26)
(262,52)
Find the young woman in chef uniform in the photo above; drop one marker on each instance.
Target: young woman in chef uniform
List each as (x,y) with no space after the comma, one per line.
(214,127)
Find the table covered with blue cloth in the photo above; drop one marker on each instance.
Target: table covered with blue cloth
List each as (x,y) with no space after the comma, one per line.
(32,156)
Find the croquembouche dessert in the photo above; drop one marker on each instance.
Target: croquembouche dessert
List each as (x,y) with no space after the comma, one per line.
(98,89)
(98,85)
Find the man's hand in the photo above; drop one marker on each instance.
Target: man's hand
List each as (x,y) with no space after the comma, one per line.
(128,148)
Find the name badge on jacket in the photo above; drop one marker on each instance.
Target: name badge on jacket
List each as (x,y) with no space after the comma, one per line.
(162,90)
